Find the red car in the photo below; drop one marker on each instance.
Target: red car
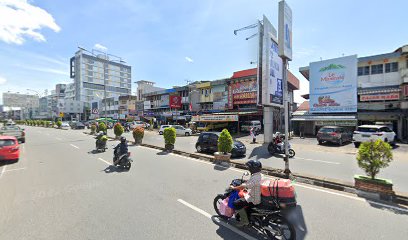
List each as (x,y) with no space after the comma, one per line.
(9,148)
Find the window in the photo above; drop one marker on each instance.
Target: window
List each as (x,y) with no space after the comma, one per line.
(391,67)
(7,142)
(377,69)
(90,73)
(90,79)
(361,71)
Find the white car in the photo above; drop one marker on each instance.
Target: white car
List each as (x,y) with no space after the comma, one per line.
(65,125)
(367,133)
(180,130)
(136,124)
(162,127)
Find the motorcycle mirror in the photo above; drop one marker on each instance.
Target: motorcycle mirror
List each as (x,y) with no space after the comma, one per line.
(246,174)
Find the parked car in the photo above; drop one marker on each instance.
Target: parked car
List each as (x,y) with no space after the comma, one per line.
(211,126)
(89,123)
(246,126)
(65,125)
(367,133)
(180,130)
(77,125)
(334,134)
(9,148)
(162,127)
(136,124)
(208,142)
(13,130)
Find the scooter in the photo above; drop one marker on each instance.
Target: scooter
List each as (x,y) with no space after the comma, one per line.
(269,220)
(280,149)
(124,160)
(101,145)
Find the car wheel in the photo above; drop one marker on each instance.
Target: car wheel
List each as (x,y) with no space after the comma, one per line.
(187,134)
(320,142)
(199,149)
(160,133)
(356,144)
(386,140)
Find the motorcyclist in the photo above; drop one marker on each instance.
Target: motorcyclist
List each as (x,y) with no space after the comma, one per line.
(120,149)
(278,141)
(252,195)
(99,138)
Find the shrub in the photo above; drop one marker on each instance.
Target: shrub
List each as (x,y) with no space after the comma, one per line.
(138,134)
(372,156)
(102,127)
(93,128)
(59,123)
(118,129)
(169,135)
(225,142)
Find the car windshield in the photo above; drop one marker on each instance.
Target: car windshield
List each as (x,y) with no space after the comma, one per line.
(6,142)
(367,129)
(327,130)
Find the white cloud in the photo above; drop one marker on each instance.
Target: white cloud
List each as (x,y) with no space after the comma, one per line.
(189,59)
(100,47)
(2,80)
(19,19)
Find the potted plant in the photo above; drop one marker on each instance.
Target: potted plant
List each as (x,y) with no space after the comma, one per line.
(169,138)
(224,146)
(138,133)
(93,129)
(118,130)
(59,123)
(102,127)
(371,157)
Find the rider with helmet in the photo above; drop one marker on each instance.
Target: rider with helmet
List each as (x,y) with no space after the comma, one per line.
(120,149)
(99,138)
(252,195)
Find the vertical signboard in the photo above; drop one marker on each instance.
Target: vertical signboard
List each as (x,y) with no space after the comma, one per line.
(333,85)
(285,30)
(272,94)
(175,101)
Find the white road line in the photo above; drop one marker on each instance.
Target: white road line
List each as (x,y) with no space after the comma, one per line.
(47,134)
(314,160)
(72,145)
(103,160)
(206,214)
(59,139)
(15,169)
(3,170)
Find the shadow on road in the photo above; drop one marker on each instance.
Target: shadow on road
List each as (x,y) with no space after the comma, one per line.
(330,144)
(94,151)
(386,206)
(260,152)
(221,166)
(225,230)
(298,220)
(162,153)
(111,169)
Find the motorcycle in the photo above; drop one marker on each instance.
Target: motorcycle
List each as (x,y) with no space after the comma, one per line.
(100,145)
(280,149)
(269,220)
(124,160)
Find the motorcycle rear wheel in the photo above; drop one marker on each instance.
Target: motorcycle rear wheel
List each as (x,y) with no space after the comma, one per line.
(278,227)
(271,149)
(291,153)
(217,201)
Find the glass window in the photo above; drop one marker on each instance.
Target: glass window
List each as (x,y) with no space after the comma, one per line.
(90,73)
(7,142)
(90,79)
(361,71)
(377,69)
(394,67)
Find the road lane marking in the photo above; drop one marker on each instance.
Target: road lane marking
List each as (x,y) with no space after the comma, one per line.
(72,145)
(58,139)
(47,134)
(103,160)
(314,160)
(3,170)
(206,214)
(15,169)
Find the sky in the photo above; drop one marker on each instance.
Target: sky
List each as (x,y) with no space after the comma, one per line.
(169,42)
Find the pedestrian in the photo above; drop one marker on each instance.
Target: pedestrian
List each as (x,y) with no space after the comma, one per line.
(253,135)
(302,130)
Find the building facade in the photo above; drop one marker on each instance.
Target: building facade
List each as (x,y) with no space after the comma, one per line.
(127,106)
(382,94)
(20,100)
(93,73)
(144,87)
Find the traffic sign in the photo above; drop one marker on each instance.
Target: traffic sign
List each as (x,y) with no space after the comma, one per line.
(61,114)
(95,111)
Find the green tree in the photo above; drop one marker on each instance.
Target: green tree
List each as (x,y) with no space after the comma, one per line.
(102,127)
(225,142)
(138,134)
(93,128)
(118,129)
(169,135)
(59,123)
(372,156)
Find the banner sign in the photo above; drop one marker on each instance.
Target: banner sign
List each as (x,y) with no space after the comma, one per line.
(230,100)
(164,100)
(241,87)
(336,123)
(333,85)
(285,30)
(147,105)
(245,101)
(380,97)
(175,101)
(215,118)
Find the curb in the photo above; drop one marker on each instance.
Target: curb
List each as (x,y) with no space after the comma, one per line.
(329,183)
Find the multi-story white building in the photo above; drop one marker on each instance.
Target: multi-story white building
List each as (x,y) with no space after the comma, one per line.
(20,100)
(94,72)
(144,87)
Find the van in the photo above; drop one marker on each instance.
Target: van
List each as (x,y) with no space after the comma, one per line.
(246,126)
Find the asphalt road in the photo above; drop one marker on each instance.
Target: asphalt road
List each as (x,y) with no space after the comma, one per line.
(61,190)
(328,160)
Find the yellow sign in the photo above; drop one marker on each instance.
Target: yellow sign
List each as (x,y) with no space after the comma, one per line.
(61,114)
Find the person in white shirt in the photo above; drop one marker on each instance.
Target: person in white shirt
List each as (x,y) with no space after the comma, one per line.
(252,195)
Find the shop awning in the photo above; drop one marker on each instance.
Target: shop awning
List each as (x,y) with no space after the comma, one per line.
(379,90)
(324,118)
